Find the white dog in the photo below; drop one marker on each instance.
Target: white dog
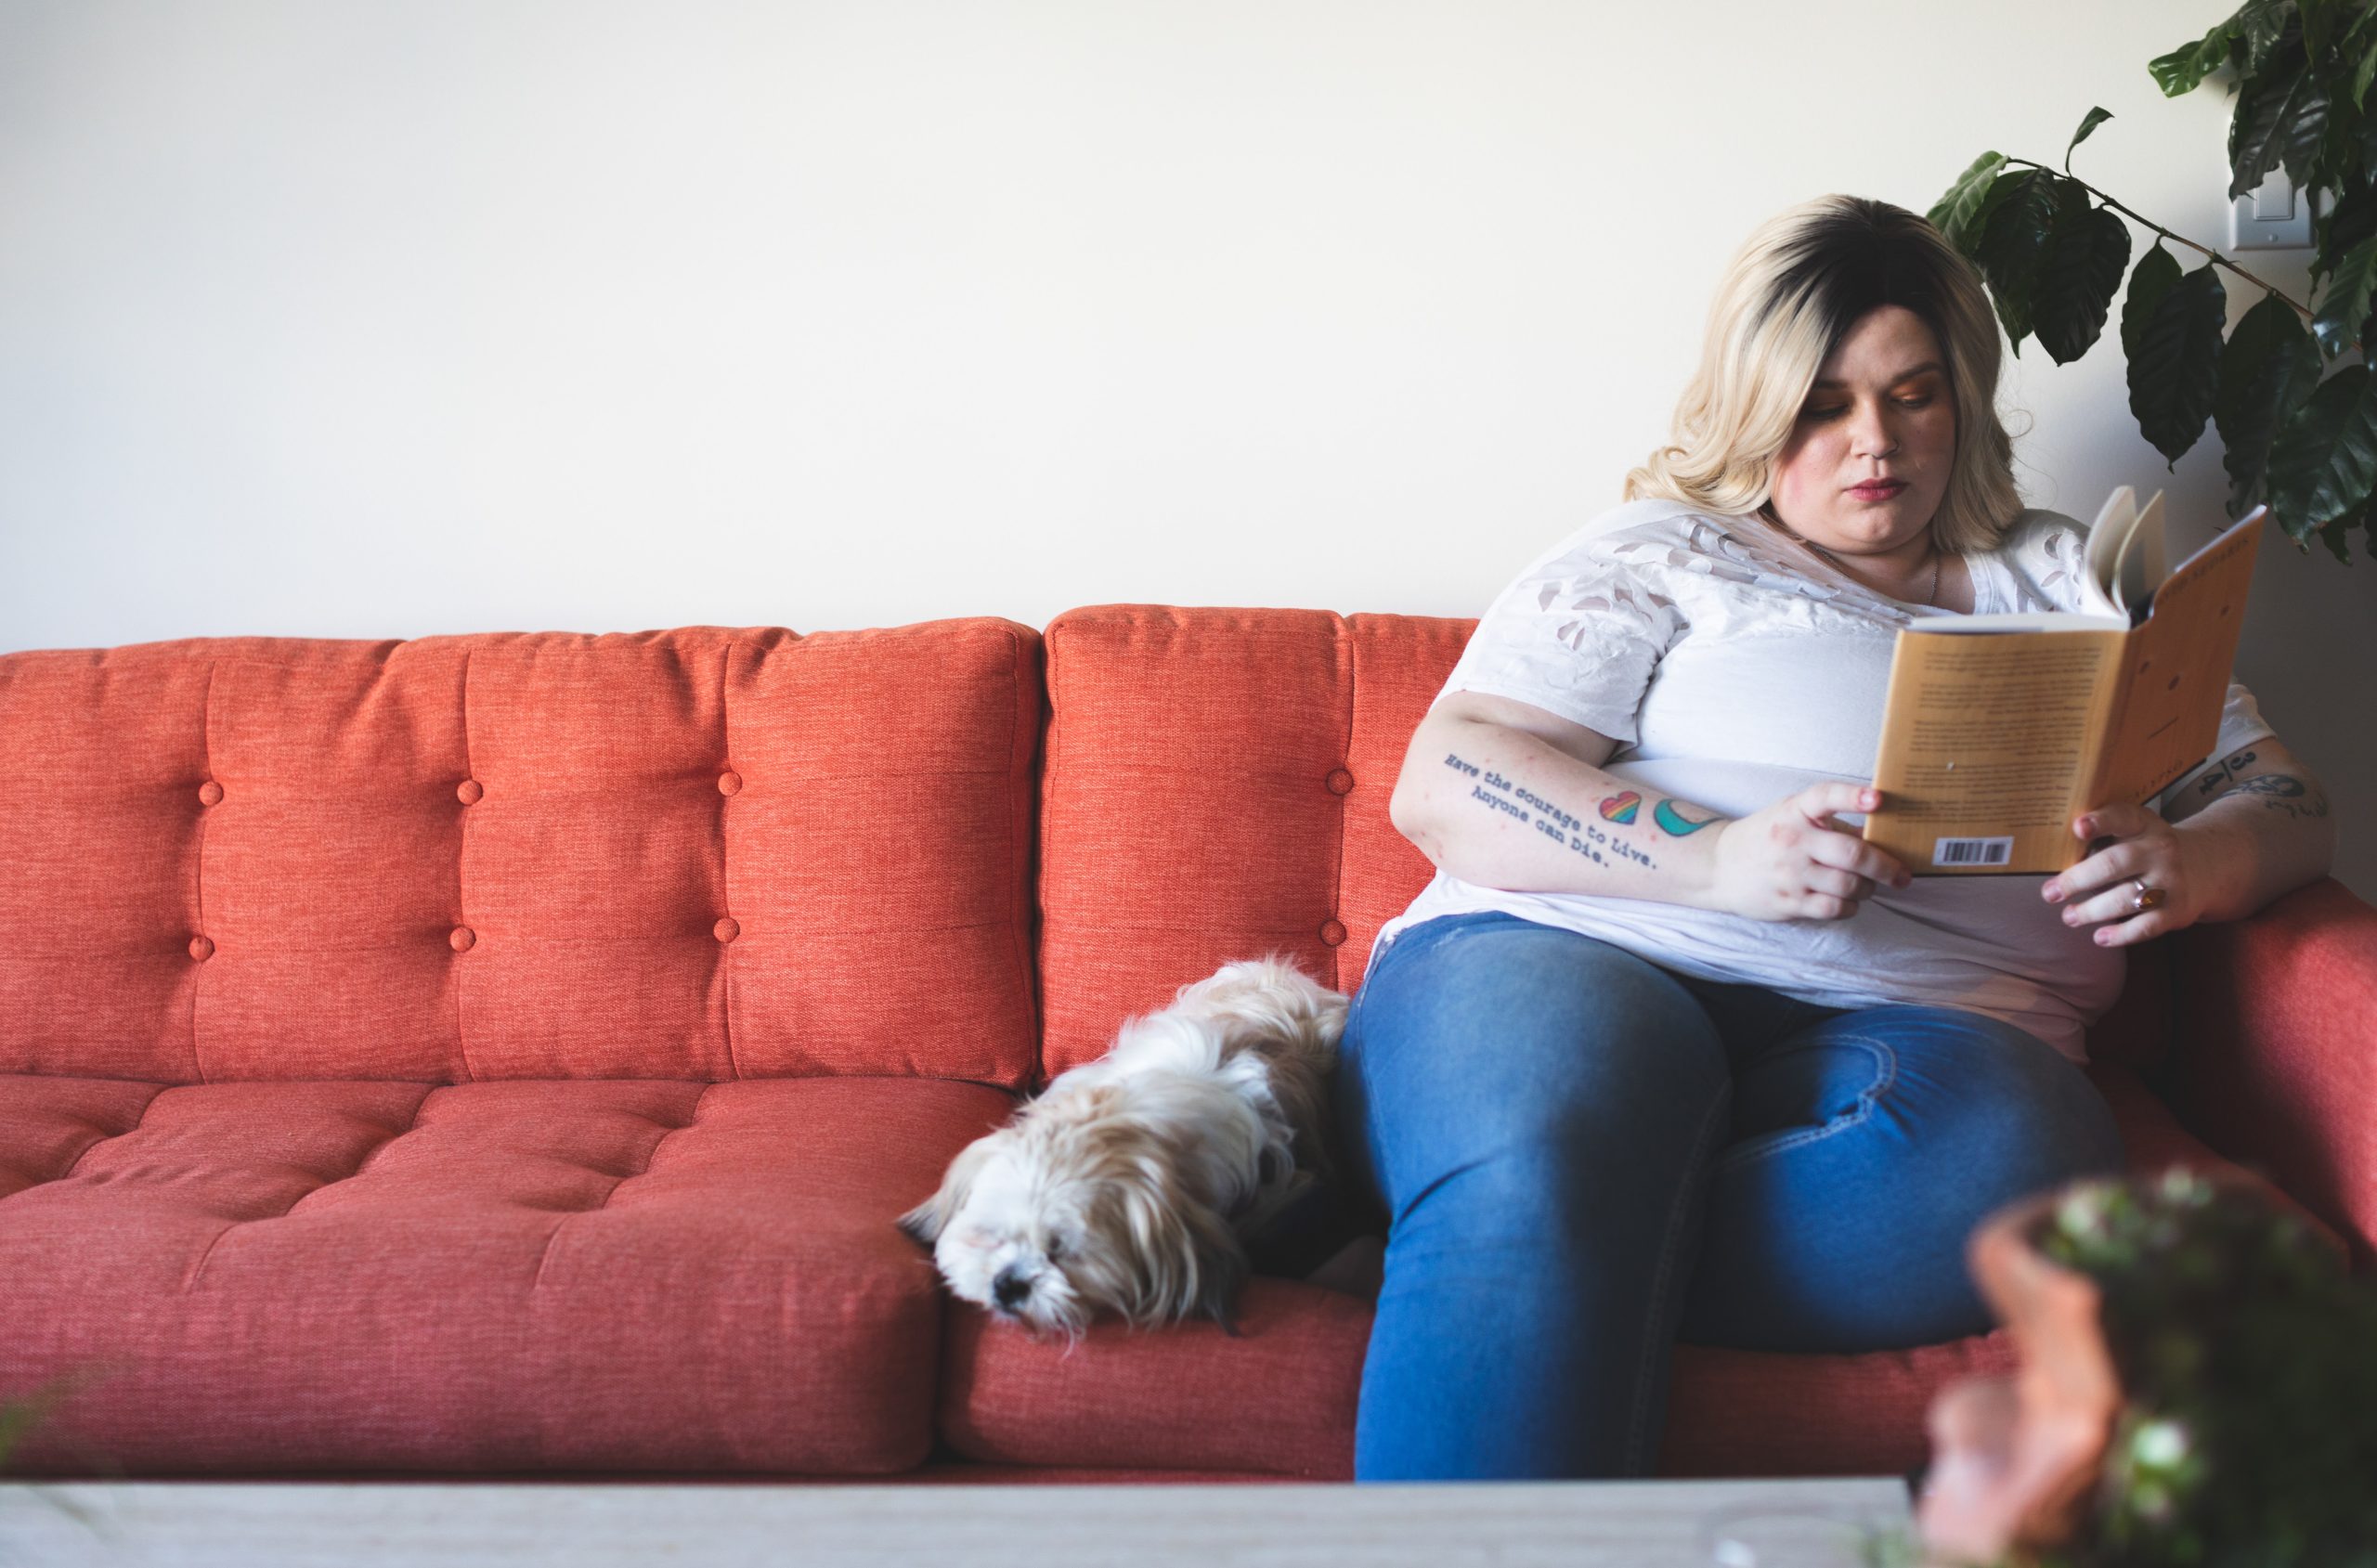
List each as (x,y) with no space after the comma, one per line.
(1126,1184)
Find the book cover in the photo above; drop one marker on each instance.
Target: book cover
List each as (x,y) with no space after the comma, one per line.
(1998,730)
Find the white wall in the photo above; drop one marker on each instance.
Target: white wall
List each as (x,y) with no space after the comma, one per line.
(382,320)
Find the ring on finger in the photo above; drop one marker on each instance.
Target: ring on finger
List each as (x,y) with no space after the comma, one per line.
(2144,896)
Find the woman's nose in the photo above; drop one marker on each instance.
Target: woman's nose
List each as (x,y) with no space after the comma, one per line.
(1871,435)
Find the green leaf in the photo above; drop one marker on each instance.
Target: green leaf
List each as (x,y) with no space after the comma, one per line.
(2175,367)
(2157,270)
(2078,275)
(2266,28)
(2337,533)
(2345,304)
(2348,220)
(2096,117)
(2299,140)
(2323,460)
(2179,71)
(2260,131)
(2317,15)
(2363,72)
(1955,213)
(2268,370)
(2335,536)
(2012,239)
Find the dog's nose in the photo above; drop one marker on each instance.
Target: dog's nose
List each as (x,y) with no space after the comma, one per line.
(1009,1288)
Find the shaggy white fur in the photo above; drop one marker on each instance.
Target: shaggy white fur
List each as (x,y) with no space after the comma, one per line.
(1126,1184)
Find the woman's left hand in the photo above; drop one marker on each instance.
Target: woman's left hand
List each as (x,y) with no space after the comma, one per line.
(2102,890)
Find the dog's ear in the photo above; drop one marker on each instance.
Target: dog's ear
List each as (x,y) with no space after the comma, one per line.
(928,1220)
(1186,1260)
(1224,1270)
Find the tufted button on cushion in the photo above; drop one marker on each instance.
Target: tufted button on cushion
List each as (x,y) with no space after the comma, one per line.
(200,949)
(728,782)
(470,792)
(726,931)
(462,938)
(1332,932)
(1339,781)
(210,794)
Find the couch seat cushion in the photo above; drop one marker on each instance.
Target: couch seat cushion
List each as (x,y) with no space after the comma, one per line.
(519,1276)
(1281,1397)
(1278,1398)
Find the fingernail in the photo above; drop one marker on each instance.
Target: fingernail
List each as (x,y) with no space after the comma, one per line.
(2087,825)
(2104,939)
(2071,917)
(2053,892)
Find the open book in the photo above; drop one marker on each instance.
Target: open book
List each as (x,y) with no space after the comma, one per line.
(1999,730)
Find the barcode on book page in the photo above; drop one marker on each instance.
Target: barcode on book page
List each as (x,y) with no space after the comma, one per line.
(1972,851)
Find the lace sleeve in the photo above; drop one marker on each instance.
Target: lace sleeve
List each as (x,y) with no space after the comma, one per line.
(1578,634)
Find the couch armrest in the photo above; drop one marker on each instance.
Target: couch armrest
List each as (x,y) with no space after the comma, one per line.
(2274,1049)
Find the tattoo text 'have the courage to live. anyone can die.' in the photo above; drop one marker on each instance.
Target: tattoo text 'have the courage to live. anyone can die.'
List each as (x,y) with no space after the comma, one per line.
(1556,823)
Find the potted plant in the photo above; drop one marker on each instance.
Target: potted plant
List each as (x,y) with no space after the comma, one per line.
(2300,429)
(2198,1385)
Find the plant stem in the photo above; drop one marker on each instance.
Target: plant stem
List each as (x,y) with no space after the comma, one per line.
(2300,308)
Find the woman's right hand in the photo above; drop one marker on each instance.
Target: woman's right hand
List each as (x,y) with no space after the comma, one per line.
(1791,861)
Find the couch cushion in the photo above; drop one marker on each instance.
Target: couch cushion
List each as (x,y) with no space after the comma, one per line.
(702,853)
(1282,1398)
(523,1275)
(1215,788)
(1279,1397)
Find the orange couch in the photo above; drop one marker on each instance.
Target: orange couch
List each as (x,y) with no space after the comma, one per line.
(505,1054)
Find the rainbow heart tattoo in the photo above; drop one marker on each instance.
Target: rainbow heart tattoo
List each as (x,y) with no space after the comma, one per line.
(1620,807)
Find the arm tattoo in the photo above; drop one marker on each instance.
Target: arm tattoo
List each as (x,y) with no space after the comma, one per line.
(2220,771)
(2284,792)
(2278,792)
(1601,844)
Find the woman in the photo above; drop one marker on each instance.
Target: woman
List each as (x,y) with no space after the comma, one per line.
(1665,1049)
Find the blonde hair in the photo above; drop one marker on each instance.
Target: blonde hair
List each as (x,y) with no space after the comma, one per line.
(1790,294)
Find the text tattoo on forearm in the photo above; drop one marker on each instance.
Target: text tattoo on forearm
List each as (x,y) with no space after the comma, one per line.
(1603,847)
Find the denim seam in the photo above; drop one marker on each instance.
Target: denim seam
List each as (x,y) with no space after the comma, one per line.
(1661,1282)
(1885,1059)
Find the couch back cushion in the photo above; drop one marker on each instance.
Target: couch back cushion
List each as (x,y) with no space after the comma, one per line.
(1216,786)
(700,854)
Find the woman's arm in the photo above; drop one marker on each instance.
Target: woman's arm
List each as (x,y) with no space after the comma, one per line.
(2250,827)
(1505,794)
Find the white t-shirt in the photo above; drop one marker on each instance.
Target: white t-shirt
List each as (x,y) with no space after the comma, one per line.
(1736,666)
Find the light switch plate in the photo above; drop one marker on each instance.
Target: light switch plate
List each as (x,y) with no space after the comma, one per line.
(2274,217)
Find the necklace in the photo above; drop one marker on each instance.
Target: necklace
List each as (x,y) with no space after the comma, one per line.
(1930,595)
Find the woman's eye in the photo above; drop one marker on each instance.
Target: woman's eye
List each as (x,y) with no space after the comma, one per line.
(1903,402)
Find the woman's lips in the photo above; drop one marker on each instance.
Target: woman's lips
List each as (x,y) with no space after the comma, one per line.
(1878,492)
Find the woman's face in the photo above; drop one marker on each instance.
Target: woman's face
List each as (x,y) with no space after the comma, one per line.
(1882,408)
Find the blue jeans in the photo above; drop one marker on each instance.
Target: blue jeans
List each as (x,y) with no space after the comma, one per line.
(1580,1156)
